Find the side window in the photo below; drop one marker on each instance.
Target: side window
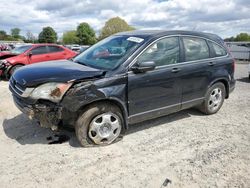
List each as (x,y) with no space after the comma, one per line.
(163,52)
(39,50)
(218,50)
(195,49)
(53,49)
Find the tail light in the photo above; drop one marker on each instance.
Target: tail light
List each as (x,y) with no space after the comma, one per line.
(233,63)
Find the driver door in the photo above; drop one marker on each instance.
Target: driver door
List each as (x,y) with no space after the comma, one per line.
(157,92)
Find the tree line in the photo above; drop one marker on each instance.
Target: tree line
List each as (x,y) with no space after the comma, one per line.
(239,37)
(84,34)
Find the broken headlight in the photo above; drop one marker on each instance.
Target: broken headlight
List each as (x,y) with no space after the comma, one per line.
(50,91)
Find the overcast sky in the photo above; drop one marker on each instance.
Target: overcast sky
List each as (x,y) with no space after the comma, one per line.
(223,17)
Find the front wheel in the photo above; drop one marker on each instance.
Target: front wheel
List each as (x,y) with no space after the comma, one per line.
(100,124)
(214,99)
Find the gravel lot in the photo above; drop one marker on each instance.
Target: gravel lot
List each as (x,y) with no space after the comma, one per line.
(187,148)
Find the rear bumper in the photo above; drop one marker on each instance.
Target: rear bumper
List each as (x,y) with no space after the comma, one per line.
(231,89)
(232,85)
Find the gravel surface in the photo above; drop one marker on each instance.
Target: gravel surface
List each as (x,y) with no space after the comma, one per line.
(186,149)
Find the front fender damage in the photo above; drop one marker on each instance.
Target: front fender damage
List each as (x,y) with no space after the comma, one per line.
(76,99)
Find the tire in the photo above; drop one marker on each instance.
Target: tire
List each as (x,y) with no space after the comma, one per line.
(249,76)
(13,69)
(94,128)
(214,99)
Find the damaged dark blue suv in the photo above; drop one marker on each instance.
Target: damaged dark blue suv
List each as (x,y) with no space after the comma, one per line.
(126,78)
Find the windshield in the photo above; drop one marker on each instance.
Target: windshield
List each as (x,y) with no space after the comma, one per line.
(21,49)
(110,52)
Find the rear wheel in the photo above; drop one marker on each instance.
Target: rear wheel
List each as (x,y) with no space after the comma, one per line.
(214,99)
(100,124)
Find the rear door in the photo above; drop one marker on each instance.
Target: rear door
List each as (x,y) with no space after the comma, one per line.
(56,52)
(223,63)
(196,71)
(157,92)
(39,54)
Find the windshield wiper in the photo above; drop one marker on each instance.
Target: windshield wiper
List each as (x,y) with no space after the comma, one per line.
(87,65)
(81,63)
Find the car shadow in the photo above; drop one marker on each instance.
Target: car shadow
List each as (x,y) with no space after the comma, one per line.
(26,131)
(246,80)
(163,120)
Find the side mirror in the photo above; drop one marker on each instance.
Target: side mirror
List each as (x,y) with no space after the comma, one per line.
(29,54)
(143,66)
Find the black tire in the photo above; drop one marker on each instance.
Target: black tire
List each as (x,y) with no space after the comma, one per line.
(84,120)
(249,76)
(205,105)
(13,69)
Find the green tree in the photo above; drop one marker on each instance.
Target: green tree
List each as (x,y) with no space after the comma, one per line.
(48,35)
(242,37)
(230,39)
(70,37)
(85,34)
(15,33)
(114,25)
(3,35)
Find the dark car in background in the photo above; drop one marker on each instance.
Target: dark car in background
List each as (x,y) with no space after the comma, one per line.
(126,78)
(29,54)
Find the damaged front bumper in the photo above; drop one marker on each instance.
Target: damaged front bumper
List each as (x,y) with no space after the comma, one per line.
(4,68)
(47,113)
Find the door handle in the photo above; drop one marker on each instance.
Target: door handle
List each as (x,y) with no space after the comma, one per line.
(175,70)
(211,63)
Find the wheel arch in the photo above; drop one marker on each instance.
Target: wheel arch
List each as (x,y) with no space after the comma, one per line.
(7,71)
(111,101)
(225,82)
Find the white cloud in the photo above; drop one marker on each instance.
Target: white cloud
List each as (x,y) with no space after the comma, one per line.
(223,17)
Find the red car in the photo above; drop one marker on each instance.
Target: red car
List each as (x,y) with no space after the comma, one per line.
(28,54)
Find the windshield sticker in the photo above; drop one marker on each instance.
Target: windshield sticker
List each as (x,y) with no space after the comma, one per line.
(135,39)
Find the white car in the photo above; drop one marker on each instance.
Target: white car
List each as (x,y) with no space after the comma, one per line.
(75,47)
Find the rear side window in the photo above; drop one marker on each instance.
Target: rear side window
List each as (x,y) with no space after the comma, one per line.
(53,49)
(218,50)
(163,52)
(39,50)
(195,49)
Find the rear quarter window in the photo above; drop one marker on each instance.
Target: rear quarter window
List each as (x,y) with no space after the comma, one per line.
(39,50)
(218,50)
(53,49)
(195,48)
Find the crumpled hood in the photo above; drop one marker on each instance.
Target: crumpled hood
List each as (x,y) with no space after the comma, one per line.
(54,71)
(6,54)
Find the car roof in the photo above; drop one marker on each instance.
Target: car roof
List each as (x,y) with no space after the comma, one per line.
(161,33)
(45,44)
